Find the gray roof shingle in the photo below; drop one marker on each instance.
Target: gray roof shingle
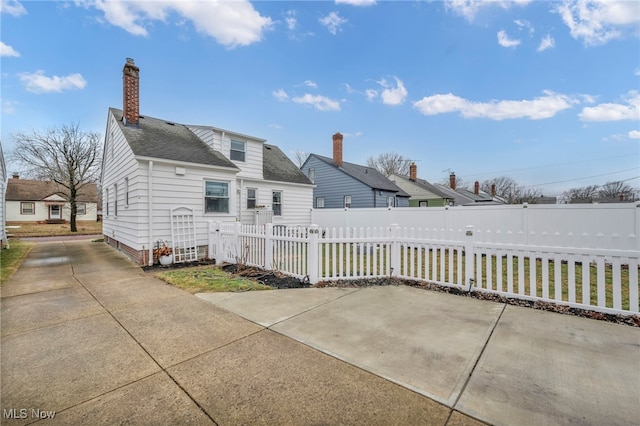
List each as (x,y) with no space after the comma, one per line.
(278,167)
(37,190)
(157,138)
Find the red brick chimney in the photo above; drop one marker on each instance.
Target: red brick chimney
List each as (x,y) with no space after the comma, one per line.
(493,189)
(452,181)
(476,188)
(413,171)
(337,149)
(130,93)
(16,176)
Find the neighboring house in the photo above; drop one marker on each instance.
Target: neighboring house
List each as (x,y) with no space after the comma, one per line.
(152,166)
(339,184)
(3,213)
(423,194)
(465,197)
(45,201)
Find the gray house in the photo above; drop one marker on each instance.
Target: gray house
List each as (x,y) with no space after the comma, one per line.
(339,184)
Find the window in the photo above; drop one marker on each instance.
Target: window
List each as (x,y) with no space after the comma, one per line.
(312,174)
(216,197)
(81,208)
(277,203)
(423,204)
(391,201)
(251,198)
(115,199)
(237,150)
(27,207)
(106,200)
(126,192)
(347,201)
(320,202)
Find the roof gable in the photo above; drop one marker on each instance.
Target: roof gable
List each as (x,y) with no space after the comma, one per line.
(367,175)
(421,183)
(157,138)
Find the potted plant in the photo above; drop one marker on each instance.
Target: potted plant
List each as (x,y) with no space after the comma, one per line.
(163,253)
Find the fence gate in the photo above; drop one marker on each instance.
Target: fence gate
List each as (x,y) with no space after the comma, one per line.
(183,235)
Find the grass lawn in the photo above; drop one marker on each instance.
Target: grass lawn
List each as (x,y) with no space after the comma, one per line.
(208,279)
(30,229)
(11,258)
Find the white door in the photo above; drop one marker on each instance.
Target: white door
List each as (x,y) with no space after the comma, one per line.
(55,212)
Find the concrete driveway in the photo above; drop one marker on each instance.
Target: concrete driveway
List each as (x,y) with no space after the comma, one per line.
(88,338)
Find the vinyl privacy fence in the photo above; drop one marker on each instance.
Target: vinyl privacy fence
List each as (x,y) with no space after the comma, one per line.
(565,269)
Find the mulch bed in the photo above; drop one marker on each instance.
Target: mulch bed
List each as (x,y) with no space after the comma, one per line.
(278,280)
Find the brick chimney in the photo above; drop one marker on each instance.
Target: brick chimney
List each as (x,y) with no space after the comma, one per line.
(452,181)
(493,189)
(130,93)
(413,171)
(16,176)
(476,188)
(337,149)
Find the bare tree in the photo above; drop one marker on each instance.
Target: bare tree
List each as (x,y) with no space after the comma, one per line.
(65,155)
(616,190)
(299,157)
(584,194)
(509,190)
(389,163)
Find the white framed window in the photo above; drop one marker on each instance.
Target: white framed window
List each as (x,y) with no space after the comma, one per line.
(81,209)
(251,198)
(106,201)
(312,174)
(319,202)
(115,199)
(277,203)
(237,150)
(423,204)
(216,197)
(391,201)
(126,192)
(347,201)
(27,207)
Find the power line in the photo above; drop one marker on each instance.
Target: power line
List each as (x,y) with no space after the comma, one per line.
(582,178)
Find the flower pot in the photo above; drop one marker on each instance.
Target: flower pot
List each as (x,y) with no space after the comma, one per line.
(166,260)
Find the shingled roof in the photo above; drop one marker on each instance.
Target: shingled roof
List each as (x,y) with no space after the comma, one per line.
(37,190)
(367,175)
(163,139)
(278,167)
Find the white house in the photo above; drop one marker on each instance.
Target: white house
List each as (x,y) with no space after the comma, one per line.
(45,201)
(3,211)
(165,181)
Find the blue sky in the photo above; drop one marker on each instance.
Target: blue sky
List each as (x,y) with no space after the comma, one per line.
(547,93)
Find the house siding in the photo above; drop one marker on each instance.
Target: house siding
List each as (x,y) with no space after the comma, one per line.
(296,202)
(3,192)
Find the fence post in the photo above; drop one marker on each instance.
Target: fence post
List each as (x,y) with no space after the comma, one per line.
(313,259)
(238,249)
(215,242)
(394,234)
(268,247)
(469,256)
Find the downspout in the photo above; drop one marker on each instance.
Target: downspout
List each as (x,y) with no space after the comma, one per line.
(374,197)
(239,201)
(150,261)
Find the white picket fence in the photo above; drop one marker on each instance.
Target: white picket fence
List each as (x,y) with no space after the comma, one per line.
(588,277)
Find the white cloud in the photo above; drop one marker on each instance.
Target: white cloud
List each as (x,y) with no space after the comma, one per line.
(333,22)
(634,134)
(37,82)
(357,2)
(546,43)
(545,106)
(468,9)
(8,107)
(598,21)
(309,83)
(281,95)
(614,112)
(321,103)
(276,126)
(637,72)
(392,95)
(6,50)
(291,20)
(371,94)
(230,23)
(505,41)
(12,7)
(524,24)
